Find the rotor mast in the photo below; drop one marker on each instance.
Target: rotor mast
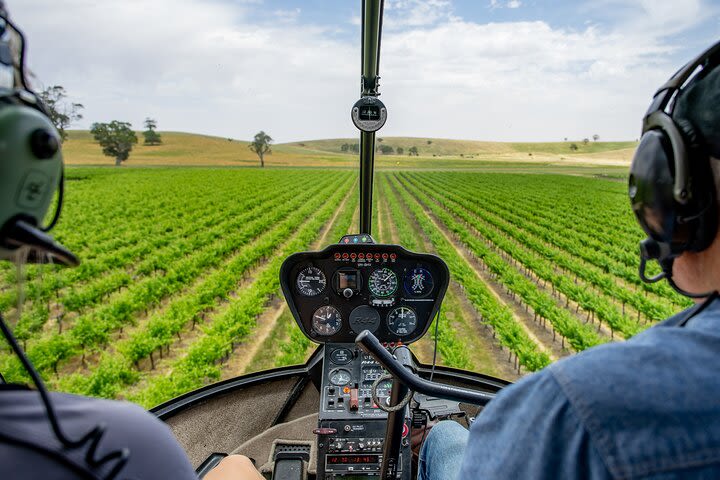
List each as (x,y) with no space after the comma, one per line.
(372,12)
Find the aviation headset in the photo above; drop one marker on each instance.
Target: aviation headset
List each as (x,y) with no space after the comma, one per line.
(31,171)
(31,165)
(671,185)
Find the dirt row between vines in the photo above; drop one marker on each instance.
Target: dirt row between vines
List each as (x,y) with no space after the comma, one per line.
(265,323)
(546,287)
(535,331)
(481,338)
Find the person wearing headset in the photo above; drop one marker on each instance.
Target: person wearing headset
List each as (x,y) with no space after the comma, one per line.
(54,435)
(648,407)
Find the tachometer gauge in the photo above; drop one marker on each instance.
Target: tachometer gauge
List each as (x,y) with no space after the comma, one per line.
(311,282)
(383,282)
(326,321)
(340,377)
(418,282)
(402,321)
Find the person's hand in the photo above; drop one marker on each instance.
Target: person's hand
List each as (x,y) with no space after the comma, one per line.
(234,467)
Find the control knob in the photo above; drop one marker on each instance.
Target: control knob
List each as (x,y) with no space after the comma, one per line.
(348,292)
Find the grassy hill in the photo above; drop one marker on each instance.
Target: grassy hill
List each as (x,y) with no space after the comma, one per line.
(187,149)
(446,147)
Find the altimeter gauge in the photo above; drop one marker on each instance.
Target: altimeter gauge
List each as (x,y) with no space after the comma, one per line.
(402,321)
(383,282)
(311,282)
(326,321)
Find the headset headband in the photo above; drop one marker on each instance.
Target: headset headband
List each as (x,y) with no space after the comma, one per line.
(657,118)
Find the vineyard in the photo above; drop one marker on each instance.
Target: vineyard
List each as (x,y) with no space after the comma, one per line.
(178,285)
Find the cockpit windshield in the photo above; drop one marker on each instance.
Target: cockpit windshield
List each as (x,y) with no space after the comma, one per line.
(199,159)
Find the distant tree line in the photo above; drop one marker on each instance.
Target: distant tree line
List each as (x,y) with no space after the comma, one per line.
(382,148)
(574,146)
(116,138)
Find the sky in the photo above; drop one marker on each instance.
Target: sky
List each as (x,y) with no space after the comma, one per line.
(499,70)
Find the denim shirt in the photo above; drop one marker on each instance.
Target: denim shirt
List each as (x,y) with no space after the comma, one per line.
(645,408)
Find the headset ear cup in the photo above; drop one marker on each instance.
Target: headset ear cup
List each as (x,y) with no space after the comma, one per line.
(651,186)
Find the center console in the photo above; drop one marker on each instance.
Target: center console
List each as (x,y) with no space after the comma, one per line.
(335,294)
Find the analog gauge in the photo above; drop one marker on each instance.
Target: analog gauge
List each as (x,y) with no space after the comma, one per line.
(402,321)
(326,321)
(340,377)
(341,356)
(383,282)
(383,391)
(418,282)
(311,282)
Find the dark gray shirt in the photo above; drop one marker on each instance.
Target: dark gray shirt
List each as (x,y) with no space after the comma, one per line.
(29,449)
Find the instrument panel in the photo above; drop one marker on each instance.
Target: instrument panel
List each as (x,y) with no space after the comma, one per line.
(344,289)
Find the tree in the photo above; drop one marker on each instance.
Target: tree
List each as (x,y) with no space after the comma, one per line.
(115,138)
(596,137)
(345,147)
(356,148)
(413,151)
(151,136)
(586,141)
(429,142)
(573,147)
(399,150)
(261,145)
(62,113)
(386,149)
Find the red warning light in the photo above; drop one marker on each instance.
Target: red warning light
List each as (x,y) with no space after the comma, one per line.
(361,256)
(337,256)
(393,256)
(385,256)
(377,256)
(353,256)
(345,256)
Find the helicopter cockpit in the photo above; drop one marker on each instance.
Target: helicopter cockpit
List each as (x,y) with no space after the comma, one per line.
(364,303)
(359,398)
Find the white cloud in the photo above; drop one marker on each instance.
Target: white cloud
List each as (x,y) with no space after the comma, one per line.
(193,65)
(287,15)
(214,68)
(509,4)
(519,80)
(416,13)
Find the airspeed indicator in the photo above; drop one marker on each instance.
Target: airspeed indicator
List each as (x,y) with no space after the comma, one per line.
(311,282)
(383,282)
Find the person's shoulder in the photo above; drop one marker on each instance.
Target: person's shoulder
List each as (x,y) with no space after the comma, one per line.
(649,360)
(153,449)
(648,403)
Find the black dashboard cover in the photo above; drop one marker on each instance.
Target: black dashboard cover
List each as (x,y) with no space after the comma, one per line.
(365,259)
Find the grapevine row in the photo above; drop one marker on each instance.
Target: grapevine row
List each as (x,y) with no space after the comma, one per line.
(499,316)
